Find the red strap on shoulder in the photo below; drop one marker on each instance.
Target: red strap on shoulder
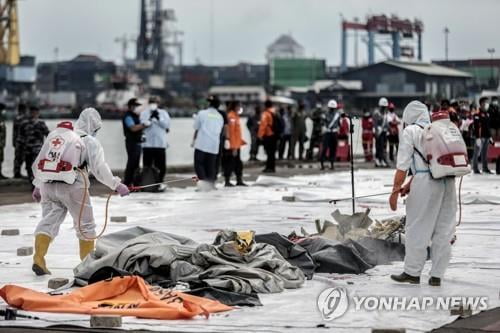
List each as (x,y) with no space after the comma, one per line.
(65,124)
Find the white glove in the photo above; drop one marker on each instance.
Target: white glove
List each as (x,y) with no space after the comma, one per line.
(37,197)
(122,190)
(478,142)
(147,123)
(227,145)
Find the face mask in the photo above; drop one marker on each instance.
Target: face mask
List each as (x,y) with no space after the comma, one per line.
(486,106)
(137,110)
(240,110)
(494,102)
(153,106)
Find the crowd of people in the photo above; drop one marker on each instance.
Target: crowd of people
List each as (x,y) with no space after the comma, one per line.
(280,130)
(284,129)
(479,125)
(217,143)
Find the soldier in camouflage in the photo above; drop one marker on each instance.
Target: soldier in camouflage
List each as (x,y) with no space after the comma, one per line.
(18,140)
(34,131)
(3,134)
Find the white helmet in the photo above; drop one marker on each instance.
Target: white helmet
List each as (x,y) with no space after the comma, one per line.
(332,104)
(383,102)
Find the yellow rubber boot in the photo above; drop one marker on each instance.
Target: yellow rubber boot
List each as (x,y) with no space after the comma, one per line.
(42,243)
(86,247)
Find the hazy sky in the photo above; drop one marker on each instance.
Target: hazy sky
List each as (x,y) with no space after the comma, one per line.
(244,28)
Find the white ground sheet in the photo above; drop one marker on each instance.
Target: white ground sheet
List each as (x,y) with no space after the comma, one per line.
(474,269)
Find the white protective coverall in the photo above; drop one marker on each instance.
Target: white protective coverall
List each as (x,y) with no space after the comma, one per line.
(431,206)
(57,198)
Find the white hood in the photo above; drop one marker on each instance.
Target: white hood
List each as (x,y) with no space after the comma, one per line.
(89,122)
(416,113)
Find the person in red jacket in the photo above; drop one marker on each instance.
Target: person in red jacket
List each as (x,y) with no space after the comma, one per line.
(344,127)
(235,139)
(367,135)
(393,135)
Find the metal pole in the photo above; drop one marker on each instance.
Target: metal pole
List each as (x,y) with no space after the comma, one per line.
(446,33)
(351,125)
(371,47)
(420,46)
(343,64)
(356,42)
(211,32)
(492,52)
(396,45)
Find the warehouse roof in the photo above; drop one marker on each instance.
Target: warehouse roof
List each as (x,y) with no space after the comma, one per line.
(428,68)
(236,89)
(424,68)
(320,85)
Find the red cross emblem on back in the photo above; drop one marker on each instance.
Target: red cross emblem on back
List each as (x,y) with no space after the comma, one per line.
(56,143)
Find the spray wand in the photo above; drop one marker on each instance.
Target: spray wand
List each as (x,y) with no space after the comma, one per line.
(131,188)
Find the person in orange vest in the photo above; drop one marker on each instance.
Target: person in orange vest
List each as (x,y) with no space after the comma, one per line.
(234,136)
(267,135)
(393,134)
(367,135)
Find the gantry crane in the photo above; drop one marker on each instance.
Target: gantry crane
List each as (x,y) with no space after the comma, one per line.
(384,25)
(9,33)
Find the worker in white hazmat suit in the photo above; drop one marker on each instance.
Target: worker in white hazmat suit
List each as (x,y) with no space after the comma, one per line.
(431,205)
(60,195)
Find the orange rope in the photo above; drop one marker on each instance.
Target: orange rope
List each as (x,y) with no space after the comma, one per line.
(84,200)
(460,201)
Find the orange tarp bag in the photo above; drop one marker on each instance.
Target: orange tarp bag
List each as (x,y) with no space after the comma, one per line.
(124,296)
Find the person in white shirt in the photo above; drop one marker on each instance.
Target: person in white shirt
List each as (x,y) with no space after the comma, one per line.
(208,126)
(157,123)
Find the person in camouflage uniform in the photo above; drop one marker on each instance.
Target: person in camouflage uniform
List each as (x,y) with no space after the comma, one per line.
(3,134)
(18,140)
(34,131)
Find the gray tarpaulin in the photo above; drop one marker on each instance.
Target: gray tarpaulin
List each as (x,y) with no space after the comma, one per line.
(351,256)
(321,255)
(159,256)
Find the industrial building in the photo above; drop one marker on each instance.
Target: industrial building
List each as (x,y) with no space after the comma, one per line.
(285,46)
(249,95)
(321,91)
(485,72)
(297,72)
(196,80)
(87,75)
(20,79)
(402,81)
